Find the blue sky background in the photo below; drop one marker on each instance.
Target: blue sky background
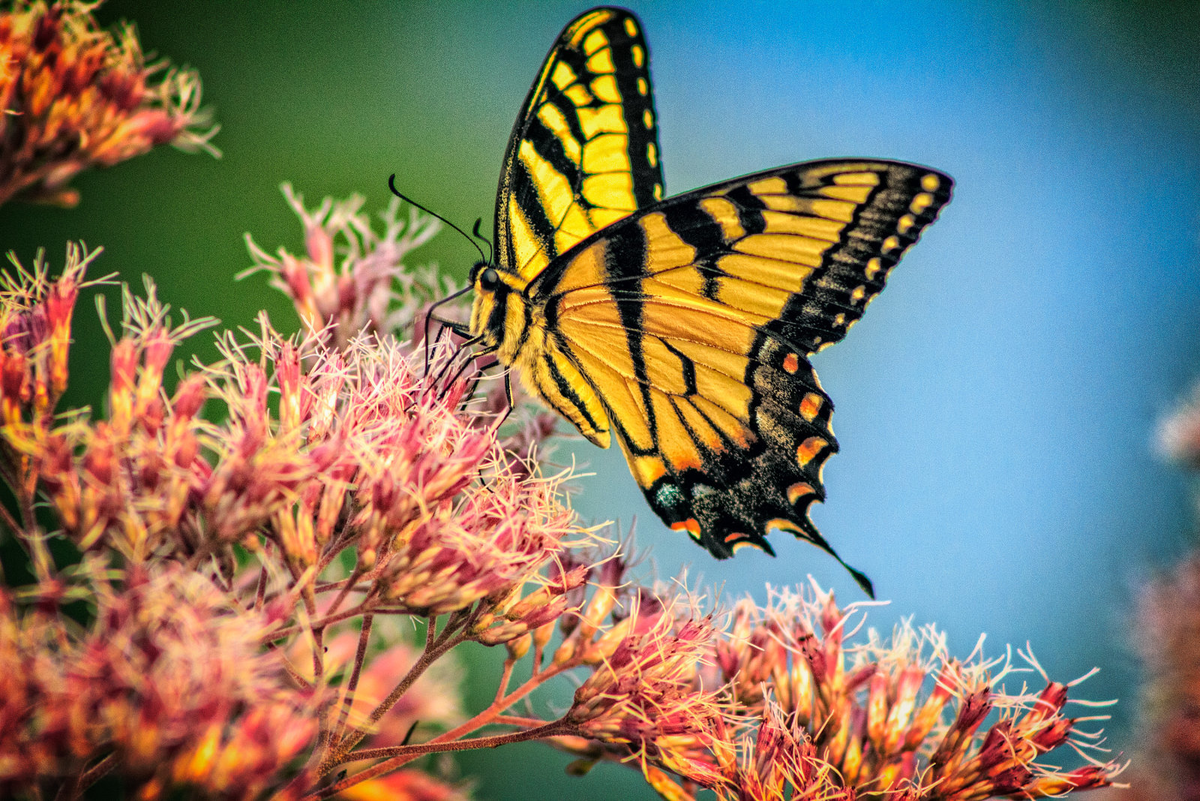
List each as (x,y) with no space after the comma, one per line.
(996,408)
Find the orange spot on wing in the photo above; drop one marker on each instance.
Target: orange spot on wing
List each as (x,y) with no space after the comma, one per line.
(810,406)
(808,449)
(791,363)
(691,526)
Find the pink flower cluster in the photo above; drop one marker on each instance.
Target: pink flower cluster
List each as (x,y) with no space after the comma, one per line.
(168,688)
(73,96)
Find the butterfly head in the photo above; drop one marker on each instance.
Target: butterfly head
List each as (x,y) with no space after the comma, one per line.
(498,308)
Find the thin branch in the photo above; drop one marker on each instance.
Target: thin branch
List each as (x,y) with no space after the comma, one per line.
(505,678)
(436,646)
(402,754)
(95,773)
(517,720)
(364,636)
(323,623)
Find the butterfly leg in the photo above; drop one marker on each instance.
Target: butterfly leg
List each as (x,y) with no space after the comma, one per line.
(443,376)
(508,395)
(457,328)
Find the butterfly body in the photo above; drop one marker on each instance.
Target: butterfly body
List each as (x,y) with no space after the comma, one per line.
(681,327)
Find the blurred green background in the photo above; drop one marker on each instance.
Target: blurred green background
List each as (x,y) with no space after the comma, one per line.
(996,409)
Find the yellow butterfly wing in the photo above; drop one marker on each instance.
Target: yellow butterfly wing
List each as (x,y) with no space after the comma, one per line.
(584,151)
(687,327)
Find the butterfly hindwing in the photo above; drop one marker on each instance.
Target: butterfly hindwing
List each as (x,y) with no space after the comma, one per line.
(584,152)
(689,324)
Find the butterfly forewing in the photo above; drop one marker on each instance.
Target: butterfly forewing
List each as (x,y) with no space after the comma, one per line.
(584,151)
(690,323)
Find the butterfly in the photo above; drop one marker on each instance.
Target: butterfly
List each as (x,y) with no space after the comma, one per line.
(681,328)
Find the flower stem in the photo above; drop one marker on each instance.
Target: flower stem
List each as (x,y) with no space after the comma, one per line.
(402,754)
(436,646)
(364,636)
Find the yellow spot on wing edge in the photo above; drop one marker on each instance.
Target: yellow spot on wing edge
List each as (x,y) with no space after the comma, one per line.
(639,56)
(594,41)
(630,27)
(930,182)
(563,76)
(809,449)
(798,491)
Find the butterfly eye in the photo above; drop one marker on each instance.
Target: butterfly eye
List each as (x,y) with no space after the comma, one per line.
(489,280)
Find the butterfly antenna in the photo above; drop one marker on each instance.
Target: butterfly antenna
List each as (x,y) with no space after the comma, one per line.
(475,230)
(410,201)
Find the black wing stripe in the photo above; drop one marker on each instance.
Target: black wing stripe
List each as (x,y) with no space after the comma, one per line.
(575,81)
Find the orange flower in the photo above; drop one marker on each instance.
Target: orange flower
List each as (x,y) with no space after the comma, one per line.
(862,709)
(168,677)
(642,695)
(35,334)
(73,96)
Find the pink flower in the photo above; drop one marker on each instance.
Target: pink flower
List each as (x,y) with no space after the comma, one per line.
(73,97)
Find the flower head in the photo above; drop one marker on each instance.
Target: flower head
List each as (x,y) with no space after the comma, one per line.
(1179,432)
(35,334)
(73,96)
(891,718)
(1168,629)
(169,677)
(340,298)
(642,696)
(124,482)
